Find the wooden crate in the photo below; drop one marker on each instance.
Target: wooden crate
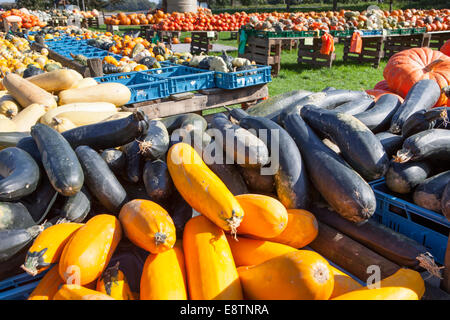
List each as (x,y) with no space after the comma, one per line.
(201,42)
(93,22)
(147,32)
(310,54)
(167,36)
(371,52)
(264,51)
(397,43)
(438,38)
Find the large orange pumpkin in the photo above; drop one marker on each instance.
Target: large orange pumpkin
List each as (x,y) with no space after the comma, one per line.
(445,49)
(407,67)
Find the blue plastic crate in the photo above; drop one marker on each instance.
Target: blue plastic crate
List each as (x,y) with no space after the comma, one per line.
(143,86)
(427,227)
(184,79)
(245,78)
(19,287)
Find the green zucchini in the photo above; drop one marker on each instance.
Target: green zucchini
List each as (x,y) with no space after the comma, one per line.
(13,240)
(59,160)
(358,145)
(157,180)
(19,172)
(100,180)
(404,177)
(341,186)
(291,177)
(10,139)
(428,194)
(423,95)
(155,142)
(238,143)
(14,216)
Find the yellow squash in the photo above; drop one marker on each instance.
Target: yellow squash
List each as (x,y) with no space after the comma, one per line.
(202,189)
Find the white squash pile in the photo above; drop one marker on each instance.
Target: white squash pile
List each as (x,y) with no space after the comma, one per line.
(61,99)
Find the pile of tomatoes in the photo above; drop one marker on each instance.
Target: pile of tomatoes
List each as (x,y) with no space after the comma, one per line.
(28,21)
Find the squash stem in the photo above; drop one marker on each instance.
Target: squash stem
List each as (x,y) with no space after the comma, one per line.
(430,67)
(402,156)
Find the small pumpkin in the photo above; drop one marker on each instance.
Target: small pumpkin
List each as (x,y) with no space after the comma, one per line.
(9,108)
(148,225)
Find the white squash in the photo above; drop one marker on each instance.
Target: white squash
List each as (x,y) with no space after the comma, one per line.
(7,125)
(29,116)
(56,80)
(82,113)
(85,83)
(112,92)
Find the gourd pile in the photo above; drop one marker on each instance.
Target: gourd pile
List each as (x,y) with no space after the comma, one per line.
(22,17)
(16,56)
(88,188)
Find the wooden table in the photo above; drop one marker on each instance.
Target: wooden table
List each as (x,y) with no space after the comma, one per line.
(438,38)
(397,43)
(197,102)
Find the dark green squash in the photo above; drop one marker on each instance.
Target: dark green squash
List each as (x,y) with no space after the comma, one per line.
(59,160)
(358,145)
(155,142)
(100,180)
(157,180)
(12,241)
(14,216)
(428,194)
(291,178)
(341,186)
(404,177)
(19,174)
(422,96)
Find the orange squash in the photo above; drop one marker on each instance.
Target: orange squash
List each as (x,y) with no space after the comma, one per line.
(386,293)
(264,216)
(299,275)
(248,252)
(76,292)
(48,247)
(88,252)
(164,276)
(48,285)
(405,278)
(211,272)
(113,283)
(343,283)
(202,189)
(301,229)
(148,225)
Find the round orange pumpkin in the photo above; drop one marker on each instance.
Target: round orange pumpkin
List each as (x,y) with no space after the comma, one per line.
(382,85)
(187,40)
(407,67)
